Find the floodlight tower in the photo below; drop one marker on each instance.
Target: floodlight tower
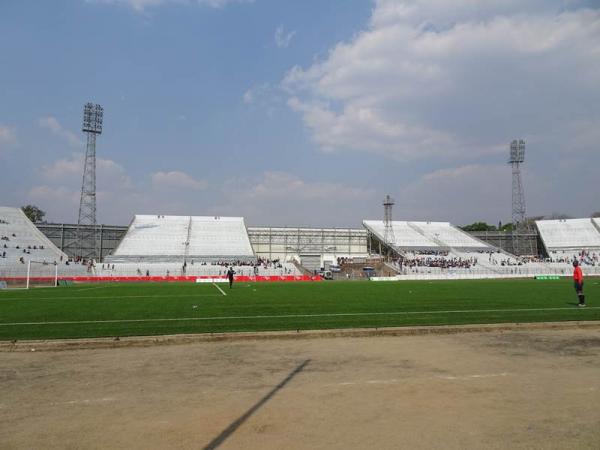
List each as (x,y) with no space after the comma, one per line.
(86,224)
(517,157)
(388,233)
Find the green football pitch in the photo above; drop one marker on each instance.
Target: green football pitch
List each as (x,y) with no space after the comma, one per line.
(96,310)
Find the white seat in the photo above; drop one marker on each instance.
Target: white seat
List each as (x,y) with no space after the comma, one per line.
(24,240)
(426,235)
(404,235)
(21,236)
(569,234)
(184,237)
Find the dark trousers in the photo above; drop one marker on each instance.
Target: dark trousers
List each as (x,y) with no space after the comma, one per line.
(579,290)
(230,282)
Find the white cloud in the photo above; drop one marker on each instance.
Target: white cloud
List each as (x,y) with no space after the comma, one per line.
(58,186)
(8,136)
(468,193)
(59,189)
(54,195)
(431,78)
(248,96)
(283,38)
(70,171)
(281,198)
(285,185)
(64,168)
(51,123)
(177,180)
(143,5)
(263,95)
(473,192)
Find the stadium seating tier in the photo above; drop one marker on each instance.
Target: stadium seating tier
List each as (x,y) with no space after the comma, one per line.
(426,235)
(567,234)
(21,238)
(177,237)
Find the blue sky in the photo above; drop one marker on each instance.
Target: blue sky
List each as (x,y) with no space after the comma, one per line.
(301,112)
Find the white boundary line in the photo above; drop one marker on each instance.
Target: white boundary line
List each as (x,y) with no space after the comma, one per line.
(95,287)
(290,316)
(219,288)
(73,297)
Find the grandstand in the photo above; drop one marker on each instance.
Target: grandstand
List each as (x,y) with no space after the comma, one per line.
(446,235)
(454,254)
(159,245)
(566,240)
(569,234)
(21,242)
(205,246)
(416,236)
(175,238)
(432,250)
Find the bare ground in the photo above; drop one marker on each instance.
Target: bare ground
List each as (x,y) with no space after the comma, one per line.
(503,389)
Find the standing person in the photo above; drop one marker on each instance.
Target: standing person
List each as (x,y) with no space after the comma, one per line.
(230,273)
(578,280)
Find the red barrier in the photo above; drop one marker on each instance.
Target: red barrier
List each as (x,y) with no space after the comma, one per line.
(192,279)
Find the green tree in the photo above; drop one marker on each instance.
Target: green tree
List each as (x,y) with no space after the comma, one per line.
(479,226)
(33,213)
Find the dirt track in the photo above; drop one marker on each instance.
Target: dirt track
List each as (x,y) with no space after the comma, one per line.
(520,389)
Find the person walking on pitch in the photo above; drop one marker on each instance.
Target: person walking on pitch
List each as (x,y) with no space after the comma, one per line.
(578,281)
(230,273)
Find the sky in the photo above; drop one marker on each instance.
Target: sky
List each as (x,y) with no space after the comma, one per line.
(302,113)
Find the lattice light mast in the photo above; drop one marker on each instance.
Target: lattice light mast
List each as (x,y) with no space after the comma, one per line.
(86,224)
(388,230)
(517,157)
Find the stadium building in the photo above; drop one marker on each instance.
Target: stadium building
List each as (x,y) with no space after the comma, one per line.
(192,247)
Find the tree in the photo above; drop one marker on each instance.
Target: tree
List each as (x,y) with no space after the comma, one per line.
(479,226)
(33,213)
(596,214)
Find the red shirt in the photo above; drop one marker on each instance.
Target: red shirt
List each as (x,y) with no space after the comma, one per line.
(578,275)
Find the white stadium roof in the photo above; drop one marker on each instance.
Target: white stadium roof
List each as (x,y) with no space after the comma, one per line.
(566,234)
(426,235)
(201,237)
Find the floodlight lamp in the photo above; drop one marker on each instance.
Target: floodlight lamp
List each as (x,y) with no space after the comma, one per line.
(92,118)
(517,151)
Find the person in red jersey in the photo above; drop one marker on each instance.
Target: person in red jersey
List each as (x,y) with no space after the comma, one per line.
(578,280)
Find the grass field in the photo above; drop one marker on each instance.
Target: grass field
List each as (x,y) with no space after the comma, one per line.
(150,309)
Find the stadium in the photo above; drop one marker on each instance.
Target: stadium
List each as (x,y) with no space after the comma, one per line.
(163,280)
(218,307)
(161,283)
